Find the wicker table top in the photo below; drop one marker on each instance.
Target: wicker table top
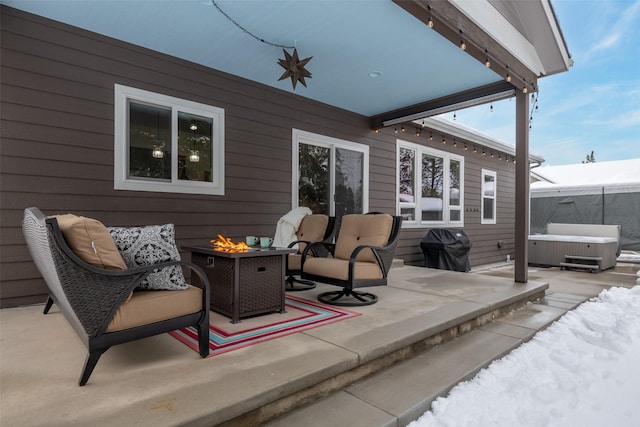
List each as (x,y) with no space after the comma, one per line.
(252,253)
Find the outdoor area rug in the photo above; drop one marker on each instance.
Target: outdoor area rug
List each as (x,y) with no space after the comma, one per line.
(302,314)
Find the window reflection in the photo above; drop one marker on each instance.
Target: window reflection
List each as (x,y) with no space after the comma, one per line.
(194,147)
(313,187)
(349,184)
(432,187)
(149,141)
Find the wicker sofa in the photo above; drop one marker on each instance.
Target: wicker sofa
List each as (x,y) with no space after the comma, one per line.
(103,303)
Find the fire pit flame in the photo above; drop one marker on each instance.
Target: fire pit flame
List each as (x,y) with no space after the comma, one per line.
(225,244)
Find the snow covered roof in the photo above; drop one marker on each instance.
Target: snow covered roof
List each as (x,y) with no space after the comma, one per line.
(588,174)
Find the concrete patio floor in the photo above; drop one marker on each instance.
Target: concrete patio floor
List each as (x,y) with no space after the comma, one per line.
(158,381)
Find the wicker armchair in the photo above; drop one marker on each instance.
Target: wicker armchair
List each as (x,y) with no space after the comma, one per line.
(100,304)
(362,256)
(313,228)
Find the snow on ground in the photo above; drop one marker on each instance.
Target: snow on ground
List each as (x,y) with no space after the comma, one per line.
(584,370)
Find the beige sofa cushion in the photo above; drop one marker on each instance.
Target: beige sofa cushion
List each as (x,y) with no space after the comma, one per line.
(360,229)
(339,269)
(91,241)
(147,307)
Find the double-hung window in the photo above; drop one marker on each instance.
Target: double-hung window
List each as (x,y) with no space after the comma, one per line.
(489,188)
(167,144)
(430,186)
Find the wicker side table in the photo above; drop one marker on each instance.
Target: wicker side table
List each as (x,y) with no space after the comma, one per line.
(244,284)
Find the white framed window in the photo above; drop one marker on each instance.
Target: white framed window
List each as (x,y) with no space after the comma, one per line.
(430,186)
(330,175)
(489,190)
(167,144)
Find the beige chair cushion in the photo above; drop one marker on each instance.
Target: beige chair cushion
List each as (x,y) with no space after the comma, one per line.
(147,307)
(339,268)
(312,229)
(360,229)
(90,240)
(294,263)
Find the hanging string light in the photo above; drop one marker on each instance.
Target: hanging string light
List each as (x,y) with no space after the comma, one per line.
(194,155)
(430,19)
(294,67)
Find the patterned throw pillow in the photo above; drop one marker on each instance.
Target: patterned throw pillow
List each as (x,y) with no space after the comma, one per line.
(142,246)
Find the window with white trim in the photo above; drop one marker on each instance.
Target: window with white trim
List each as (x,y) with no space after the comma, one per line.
(430,186)
(167,144)
(330,175)
(489,189)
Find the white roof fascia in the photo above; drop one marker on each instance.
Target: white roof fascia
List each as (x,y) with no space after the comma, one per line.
(483,14)
(445,126)
(557,34)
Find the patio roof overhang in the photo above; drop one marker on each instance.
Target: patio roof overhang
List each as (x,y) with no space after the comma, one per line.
(379,58)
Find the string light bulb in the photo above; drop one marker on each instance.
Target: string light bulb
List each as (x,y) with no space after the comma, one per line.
(508,77)
(444,141)
(417,131)
(157,152)
(463,45)
(430,20)
(431,136)
(491,107)
(487,63)
(402,129)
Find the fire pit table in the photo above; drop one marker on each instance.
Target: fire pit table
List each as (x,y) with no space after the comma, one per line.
(243,283)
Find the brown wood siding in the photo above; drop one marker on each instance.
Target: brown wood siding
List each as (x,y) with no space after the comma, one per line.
(57,136)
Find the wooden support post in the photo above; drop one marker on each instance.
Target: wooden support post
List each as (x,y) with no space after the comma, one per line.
(521,273)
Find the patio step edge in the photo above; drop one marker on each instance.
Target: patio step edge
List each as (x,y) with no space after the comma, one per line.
(298,398)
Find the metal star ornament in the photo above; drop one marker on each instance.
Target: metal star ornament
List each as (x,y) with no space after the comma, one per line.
(294,68)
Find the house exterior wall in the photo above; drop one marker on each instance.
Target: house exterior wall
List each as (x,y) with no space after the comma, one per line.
(57,120)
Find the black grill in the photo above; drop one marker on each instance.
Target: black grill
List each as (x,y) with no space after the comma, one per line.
(446,249)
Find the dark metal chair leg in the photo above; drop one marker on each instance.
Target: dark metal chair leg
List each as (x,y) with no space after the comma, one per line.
(339,298)
(89,364)
(203,339)
(48,305)
(304,285)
